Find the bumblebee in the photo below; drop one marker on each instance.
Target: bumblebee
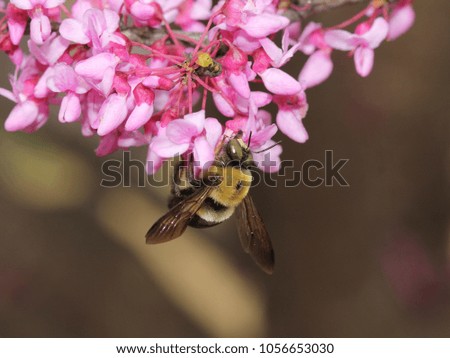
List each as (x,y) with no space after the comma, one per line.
(207,67)
(212,199)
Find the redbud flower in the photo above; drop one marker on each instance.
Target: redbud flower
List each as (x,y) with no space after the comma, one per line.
(362,45)
(319,66)
(191,132)
(96,27)
(279,57)
(17,23)
(64,79)
(39,11)
(316,69)
(291,110)
(279,82)
(142,72)
(29,113)
(400,21)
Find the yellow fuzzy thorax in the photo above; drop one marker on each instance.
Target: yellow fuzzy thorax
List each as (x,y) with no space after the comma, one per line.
(204,59)
(234,186)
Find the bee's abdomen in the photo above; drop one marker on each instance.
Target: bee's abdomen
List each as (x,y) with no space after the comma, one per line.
(211,213)
(200,223)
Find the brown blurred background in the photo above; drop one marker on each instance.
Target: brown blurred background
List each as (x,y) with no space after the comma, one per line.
(370,260)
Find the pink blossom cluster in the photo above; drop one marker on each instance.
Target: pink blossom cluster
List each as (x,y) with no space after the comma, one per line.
(141,72)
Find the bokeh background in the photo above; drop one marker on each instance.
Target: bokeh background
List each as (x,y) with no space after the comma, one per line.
(369,260)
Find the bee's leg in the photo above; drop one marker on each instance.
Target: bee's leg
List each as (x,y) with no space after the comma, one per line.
(178,177)
(177,171)
(190,173)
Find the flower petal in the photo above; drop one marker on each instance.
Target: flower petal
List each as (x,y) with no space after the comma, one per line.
(42,88)
(22,4)
(271,49)
(179,131)
(203,154)
(95,67)
(317,69)
(40,29)
(112,113)
(197,119)
(53,3)
(21,116)
(377,33)
(52,49)
(260,138)
(72,30)
(279,82)
(112,20)
(213,130)
(63,78)
(306,45)
(261,99)
(16,30)
(222,105)
(107,145)
(340,40)
(165,148)
(363,58)
(8,94)
(265,24)
(401,21)
(70,109)
(289,122)
(245,42)
(139,116)
(154,161)
(240,84)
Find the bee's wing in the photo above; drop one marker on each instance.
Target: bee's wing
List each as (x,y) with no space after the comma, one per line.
(253,234)
(174,222)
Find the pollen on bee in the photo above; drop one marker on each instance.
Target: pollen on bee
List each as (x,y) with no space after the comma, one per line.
(378,3)
(204,59)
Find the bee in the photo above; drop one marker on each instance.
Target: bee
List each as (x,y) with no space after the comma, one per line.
(209,201)
(207,66)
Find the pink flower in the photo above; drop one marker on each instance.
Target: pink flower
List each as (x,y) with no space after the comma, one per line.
(192,133)
(112,113)
(400,21)
(319,66)
(234,64)
(99,71)
(258,19)
(362,45)
(39,10)
(191,14)
(97,27)
(311,38)
(279,82)
(279,56)
(30,113)
(50,51)
(143,98)
(263,25)
(316,70)
(17,23)
(291,110)
(64,79)
(130,90)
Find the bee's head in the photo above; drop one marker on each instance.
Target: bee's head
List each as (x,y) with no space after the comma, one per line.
(238,152)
